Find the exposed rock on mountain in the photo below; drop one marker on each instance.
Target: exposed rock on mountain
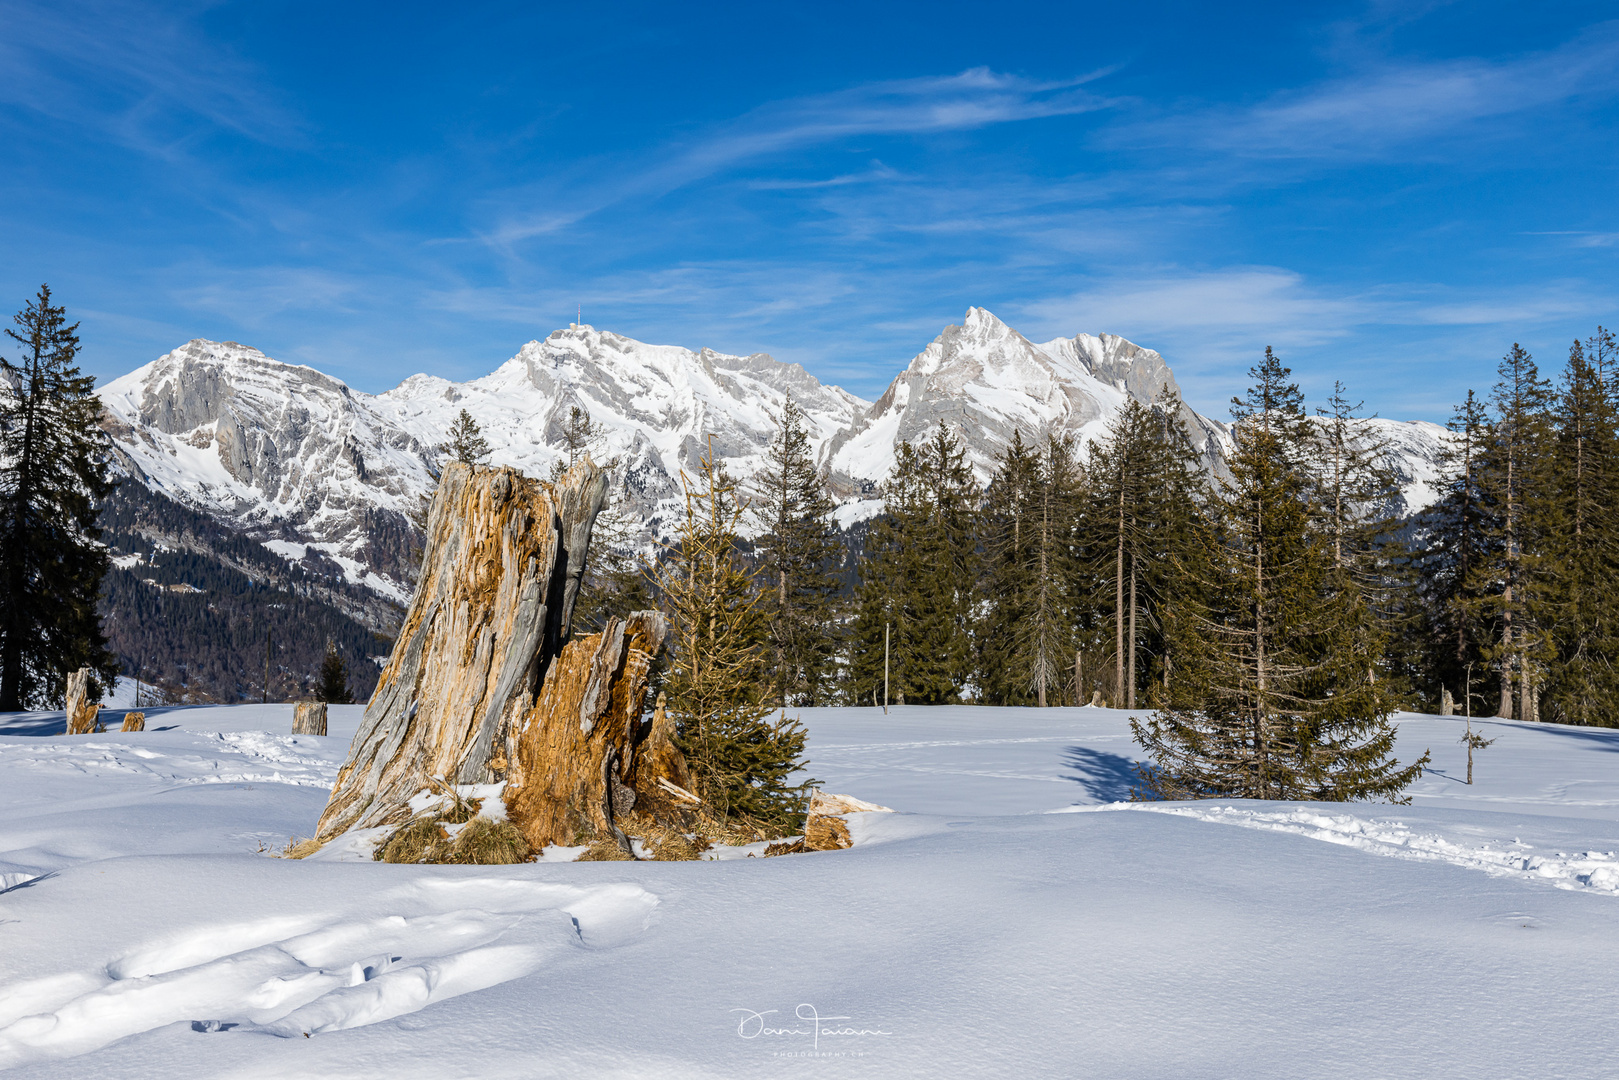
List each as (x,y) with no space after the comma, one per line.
(326,476)
(990,380)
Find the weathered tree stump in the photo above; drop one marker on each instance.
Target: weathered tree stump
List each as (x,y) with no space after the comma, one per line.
(134,721)
(484,685)
(826,828)
(309,718)
(81,711)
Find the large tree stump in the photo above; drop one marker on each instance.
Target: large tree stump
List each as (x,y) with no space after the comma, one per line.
(134,721)
(81,711)
(309,718)
(483,683)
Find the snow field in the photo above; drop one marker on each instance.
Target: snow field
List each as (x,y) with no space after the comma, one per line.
(986,929)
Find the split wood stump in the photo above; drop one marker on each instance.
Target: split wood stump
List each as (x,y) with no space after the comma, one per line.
(309,718)
(134,721)
(485,685)
(81,711)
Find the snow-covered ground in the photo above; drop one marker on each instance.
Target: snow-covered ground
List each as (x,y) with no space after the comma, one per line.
(1014,919)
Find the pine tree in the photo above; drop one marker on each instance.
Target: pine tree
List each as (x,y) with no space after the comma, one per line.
(1144,493)
(1360,503)
(1027,633)
(466,443)
(53,472)
(1456,533)
(1272,696)
(1011,573)
(333,685)
(580,434)
(1583,550)
(718,679)
(919,578)
(798,552)
(1511,585)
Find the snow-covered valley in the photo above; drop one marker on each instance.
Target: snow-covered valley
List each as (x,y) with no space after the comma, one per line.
(1014,918)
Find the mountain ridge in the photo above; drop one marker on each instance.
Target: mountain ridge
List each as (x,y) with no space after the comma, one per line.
(323,474)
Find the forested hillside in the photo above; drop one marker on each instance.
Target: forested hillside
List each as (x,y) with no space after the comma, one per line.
(209,644)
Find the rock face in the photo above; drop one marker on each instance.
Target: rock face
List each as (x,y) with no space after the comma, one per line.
(485,686)
(309,718)
(81,711)
(987,380)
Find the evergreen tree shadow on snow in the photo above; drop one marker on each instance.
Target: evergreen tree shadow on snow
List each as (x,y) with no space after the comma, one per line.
(1105,777)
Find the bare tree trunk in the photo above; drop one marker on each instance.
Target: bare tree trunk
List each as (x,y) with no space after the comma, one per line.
(1118,603)
(1505,712)
(1130,692)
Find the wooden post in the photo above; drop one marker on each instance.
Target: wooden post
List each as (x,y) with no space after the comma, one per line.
(309,718)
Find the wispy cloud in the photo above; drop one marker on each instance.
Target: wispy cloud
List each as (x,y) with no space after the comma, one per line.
(973,99)
(142,74)
(1387,104)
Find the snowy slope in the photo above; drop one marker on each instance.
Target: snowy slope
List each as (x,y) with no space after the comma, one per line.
(1474,933)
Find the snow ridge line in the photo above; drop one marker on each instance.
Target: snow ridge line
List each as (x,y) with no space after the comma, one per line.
(1589,871)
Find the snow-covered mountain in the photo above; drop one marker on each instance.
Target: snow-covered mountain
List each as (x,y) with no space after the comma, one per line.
(316,468)
(318,471)
(989,380)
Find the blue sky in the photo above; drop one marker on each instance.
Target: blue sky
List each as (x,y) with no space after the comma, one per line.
(1390,194)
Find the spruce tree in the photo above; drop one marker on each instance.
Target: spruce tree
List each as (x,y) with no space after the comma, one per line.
(1511,586)
(718,680)
(1456,536)
(466,443)
(1011,573)
(798,553)
(53,473)
(1272,696)
(333,685)
(919,578)
(1583,549)
(1360,503)
(1144,494)
(580,434)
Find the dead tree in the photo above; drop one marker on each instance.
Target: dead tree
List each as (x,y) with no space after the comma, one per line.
(484,686)
(82,713)
(309,718)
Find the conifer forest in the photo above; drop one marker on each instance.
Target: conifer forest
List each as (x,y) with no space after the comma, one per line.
(1272,616)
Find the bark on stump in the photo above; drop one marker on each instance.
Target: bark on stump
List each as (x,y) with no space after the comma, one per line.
(484,685)
(134,721)
(81,711)
(309,718)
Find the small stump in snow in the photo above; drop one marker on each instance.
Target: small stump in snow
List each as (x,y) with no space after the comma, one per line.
(134,721)
(826,828)
(309,718)
(81,711)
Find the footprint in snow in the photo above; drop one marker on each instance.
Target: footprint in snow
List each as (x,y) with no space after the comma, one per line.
(298,975)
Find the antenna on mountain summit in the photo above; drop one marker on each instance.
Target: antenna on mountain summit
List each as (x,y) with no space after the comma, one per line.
(579,315)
